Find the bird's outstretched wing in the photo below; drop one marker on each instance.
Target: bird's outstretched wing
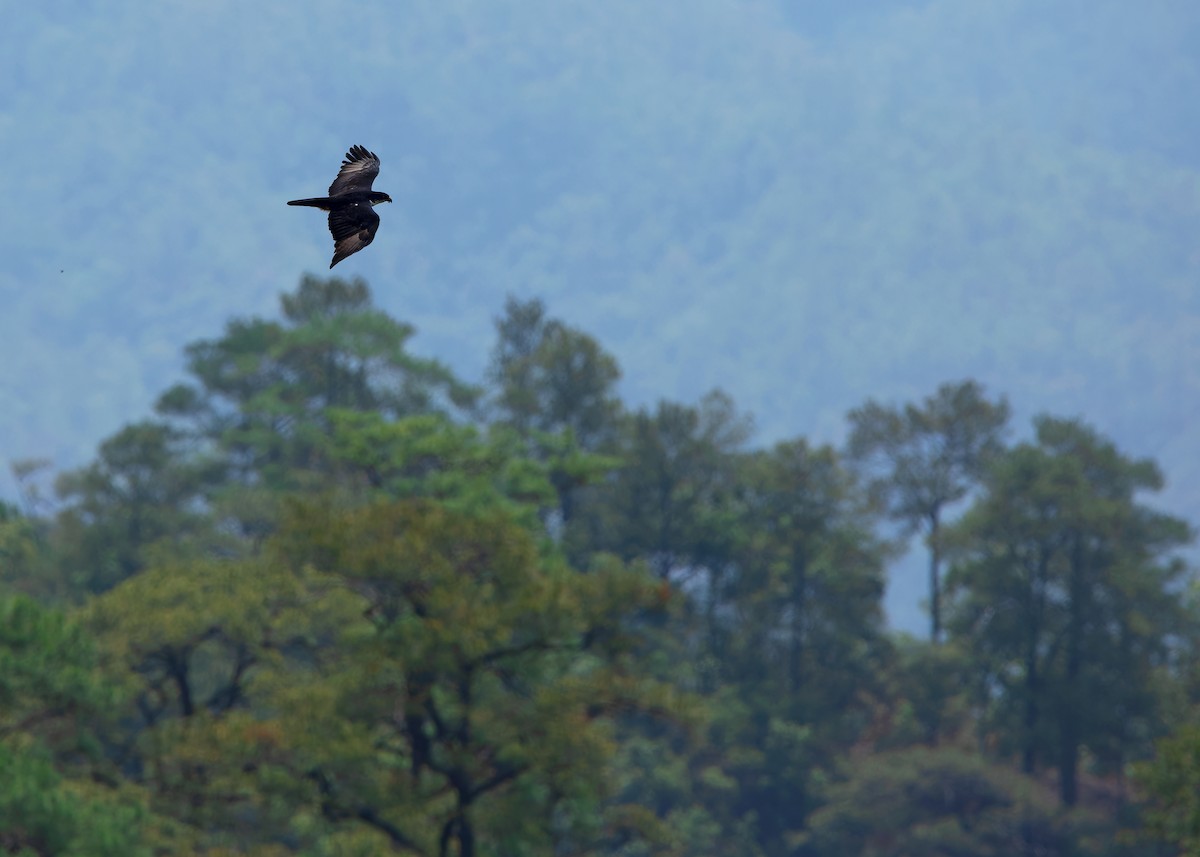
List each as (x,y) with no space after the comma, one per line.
(353,228)
(358,171)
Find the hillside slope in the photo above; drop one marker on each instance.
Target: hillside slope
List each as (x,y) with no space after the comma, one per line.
(806,208)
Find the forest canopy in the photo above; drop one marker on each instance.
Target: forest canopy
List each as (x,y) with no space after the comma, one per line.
(330,598)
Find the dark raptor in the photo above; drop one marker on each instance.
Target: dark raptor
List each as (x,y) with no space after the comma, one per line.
(352,222)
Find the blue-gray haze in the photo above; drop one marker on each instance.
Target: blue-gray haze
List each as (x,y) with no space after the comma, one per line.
(804,203)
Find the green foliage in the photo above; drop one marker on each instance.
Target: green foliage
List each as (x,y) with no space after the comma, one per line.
(931,694)
(402,669)
(666,502)
(45,667)
(143,489)
(1172,783)
(485,676)
(22,548)
(551,377)
(555,387)
(430,456)
(806,584)
(1066,587)
(335,611)
(41,814)
(263,393)
(193,644)
(922,460)
(168,621)
(47,686)
(929,803)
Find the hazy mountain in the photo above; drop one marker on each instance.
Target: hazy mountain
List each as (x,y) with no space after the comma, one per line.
(803,203)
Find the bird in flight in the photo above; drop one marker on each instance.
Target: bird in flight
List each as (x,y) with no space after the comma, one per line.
(352,222)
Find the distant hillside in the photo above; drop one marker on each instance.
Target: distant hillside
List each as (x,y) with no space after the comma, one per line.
(806,208)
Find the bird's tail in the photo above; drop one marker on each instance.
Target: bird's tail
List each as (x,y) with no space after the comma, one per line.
(321,202)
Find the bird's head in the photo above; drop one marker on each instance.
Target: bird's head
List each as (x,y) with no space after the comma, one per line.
(378,197)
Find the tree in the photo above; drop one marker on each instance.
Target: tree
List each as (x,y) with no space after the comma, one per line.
(188,641)
(921,460)
(25,556)
(554,386)
(550,377)
(796,631)
(930,803)
(1172,784)
(777,580)
(419,674)
(429,456)
(1066,589)
(48,697)
(929,694)
(43,814)
(478,695)
(675,479)
(261,394)
(20,548)
(804,592)
(143,488)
